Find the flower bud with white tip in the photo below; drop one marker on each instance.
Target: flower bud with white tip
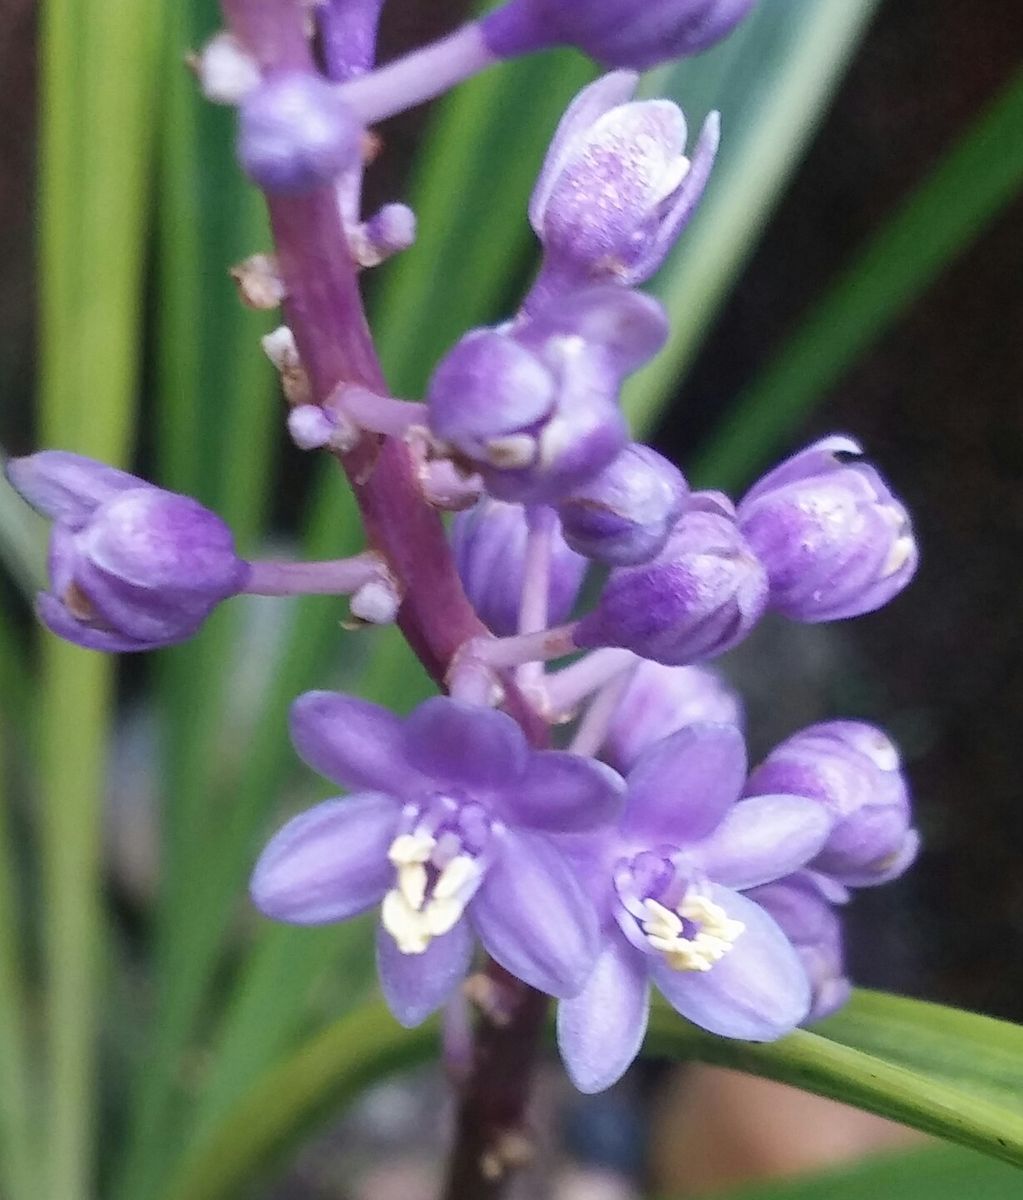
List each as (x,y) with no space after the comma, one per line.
(833,538)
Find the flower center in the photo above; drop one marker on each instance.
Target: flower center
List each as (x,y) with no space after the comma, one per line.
(439,859)
(663,912)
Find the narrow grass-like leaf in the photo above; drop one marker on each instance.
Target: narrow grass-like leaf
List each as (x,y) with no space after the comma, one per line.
(971,184)
(928,1080)
(97,93)
(938,1173)
(19,1128)
(772,81)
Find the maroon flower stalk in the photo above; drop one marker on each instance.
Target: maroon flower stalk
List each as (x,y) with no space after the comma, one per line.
(324,311)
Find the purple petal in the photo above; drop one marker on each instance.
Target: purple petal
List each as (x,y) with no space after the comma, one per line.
(897,864)
(682,786)
(354,743)
(138,612)
(464,745)
(564,793)
(589,106)
(757,992)
(416,985)
(58,620)
(601,1030)
(814,460)
(329,863)
(67,486)
(763,839)
(532,916)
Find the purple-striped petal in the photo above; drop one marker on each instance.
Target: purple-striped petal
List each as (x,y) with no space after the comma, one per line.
(464,745)
(416,985)
(601,1030)
(763,839)
(532,916)
(563,793)
(682,786)
(757,992)
(354,743)
(329,863)
(65,486)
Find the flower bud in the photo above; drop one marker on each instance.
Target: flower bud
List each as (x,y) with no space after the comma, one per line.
(616,189)
(699,597)
(296,134)
(489,545)
(534,408)
(623,515)
(660,701)
(834,540)
(132,567)
(852,769)
(811,924)
(620,33)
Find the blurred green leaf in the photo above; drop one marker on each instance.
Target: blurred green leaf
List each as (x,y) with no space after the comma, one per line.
(951,1086)
(772,81)
(980,173)
(939,1173)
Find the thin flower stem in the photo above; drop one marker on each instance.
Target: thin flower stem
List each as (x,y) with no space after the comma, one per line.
(536,583)
(340,577)
(324,311)
(592,731)
(542,646)
(419,76)
(567,688)
(380,414)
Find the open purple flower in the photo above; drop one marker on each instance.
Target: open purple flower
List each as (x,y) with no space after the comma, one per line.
(132,567)
(454,830)
(668,884)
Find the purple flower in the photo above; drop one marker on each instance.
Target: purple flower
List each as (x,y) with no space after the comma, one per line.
(619,33)
(534,407)
(668,885)
(296,133)
(803,905)
(616,189)
(661,700)
(132,567)
(700,596)
(623,515)
(852,769)
(453,830)
(834,540)
(489,545)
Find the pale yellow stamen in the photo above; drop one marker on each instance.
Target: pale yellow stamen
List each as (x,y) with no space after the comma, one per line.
(411,917)
(715,935)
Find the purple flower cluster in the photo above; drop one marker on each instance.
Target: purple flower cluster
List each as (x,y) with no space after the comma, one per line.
(644,853)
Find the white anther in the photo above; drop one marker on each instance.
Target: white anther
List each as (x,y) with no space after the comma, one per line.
(442,916)
(715,934)
(511,452)
(405,924)
(227,72)
(412,881)
(411,848)
(460,873)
